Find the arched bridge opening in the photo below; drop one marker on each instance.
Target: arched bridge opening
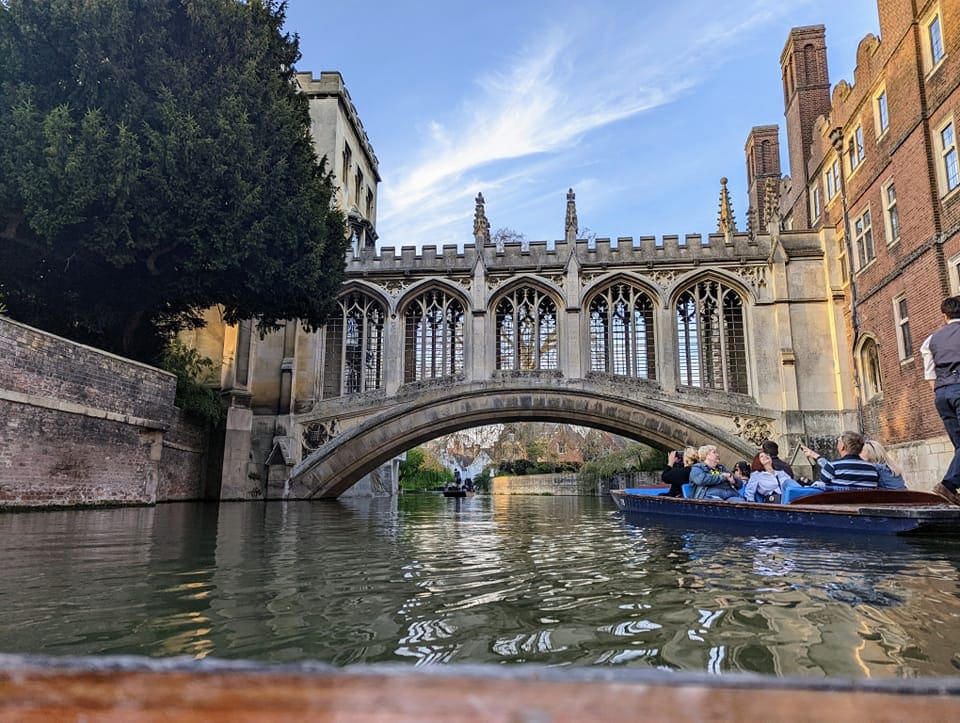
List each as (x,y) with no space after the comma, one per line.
(342,461)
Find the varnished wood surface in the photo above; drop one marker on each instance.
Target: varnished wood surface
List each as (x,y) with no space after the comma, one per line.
(50,694)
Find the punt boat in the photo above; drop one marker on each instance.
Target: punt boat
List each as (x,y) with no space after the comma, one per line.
(890,512)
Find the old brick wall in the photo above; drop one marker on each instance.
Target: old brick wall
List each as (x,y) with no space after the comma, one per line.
(183,461)
(912,265)
(80,426)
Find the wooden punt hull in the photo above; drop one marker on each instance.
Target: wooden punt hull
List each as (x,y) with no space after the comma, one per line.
(457,493)
(871,511)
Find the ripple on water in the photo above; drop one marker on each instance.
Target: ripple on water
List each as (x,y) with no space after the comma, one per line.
(556,581)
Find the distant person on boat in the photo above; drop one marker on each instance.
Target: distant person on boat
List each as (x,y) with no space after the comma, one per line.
(711,480)
(677,472)
(773,450)
(891,477)
(767,484)
(849,471)
(941,367)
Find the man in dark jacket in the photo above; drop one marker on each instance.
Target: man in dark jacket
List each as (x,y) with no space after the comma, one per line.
(941,366)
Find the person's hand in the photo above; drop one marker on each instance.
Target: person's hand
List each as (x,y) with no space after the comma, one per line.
(671,459)
(808,453)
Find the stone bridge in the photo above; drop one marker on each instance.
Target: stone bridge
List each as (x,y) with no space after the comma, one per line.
(726,339)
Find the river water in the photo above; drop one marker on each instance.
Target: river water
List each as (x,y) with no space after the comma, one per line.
(561,581)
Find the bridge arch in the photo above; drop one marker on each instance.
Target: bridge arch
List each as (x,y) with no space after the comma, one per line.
(416,290)
(338,464)
(538,282)
(365,287)
(684,283)
(615,277)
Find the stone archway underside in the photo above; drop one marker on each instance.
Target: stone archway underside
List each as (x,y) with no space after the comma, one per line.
(338,464)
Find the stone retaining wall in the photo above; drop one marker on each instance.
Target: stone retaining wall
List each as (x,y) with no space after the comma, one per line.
(537,484)
(79,426)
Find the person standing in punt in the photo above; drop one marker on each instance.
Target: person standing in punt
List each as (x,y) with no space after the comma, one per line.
(941,367)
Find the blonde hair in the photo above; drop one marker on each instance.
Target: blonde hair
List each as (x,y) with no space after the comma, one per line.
(690,456)
(705,450)
(874,453)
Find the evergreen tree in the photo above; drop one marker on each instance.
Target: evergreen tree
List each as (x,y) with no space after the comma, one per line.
(155,160)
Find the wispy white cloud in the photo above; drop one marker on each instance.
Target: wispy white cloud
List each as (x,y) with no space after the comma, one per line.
(522,120)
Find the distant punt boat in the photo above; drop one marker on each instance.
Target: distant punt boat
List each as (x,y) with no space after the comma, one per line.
(893,512)
(454,492)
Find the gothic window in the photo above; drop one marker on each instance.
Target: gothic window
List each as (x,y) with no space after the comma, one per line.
(869,360)
(433,336)
(711,337)
(527,331)
(354,347)
(621,332)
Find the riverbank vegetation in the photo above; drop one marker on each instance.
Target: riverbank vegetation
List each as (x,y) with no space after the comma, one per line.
(421,470)
(635,458)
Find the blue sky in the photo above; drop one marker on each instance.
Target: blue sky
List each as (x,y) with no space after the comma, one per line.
(639,106)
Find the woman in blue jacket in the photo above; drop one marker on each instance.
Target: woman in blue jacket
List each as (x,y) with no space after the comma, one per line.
(710,478)
(891,476)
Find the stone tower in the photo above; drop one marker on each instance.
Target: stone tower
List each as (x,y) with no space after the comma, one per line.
(763,164)
(806,96)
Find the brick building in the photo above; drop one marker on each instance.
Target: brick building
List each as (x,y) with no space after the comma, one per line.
(874,169)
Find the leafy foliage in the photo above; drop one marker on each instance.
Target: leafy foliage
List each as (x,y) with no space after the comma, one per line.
(422,471)
(635,458)
(194,374)
(526,466)
(156,160)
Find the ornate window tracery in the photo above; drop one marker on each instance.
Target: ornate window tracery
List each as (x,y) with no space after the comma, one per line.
(711,337)
(434,325)
(354,347)
(527,339)
(621,332)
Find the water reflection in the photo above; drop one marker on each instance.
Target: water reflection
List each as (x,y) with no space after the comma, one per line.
(508,579)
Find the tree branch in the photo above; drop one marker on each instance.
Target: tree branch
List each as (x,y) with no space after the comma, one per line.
(151,260)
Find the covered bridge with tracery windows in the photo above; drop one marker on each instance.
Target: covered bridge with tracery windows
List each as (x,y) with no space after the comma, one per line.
(727,339)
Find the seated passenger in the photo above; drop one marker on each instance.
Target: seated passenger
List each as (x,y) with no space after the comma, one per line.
(773,449)
(849,471)
(677,472)
(710,479)
(741,473)
(891,478)
(767,484)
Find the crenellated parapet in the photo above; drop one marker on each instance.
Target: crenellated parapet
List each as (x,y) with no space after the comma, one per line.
(623,251)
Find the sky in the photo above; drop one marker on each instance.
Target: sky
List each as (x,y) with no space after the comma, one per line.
(640,106)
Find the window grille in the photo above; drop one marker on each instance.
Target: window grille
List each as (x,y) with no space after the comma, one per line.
(711,338)
(621,332)
(433,336)
(354,347)
(527,331)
